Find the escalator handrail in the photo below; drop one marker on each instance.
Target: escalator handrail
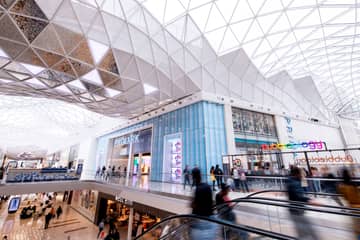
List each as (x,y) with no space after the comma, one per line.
(295,205)
(304,203)
(284,191)
(223,223)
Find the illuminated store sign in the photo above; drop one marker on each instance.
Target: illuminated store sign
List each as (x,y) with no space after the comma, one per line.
(134,138)
(327,159)
(313,145)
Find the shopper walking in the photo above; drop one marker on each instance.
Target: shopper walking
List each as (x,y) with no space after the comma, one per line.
(48,217)
(59,212)
(218,175)
(243,180)
(236,176)
(103,172)
(226,212)
(101,227)
(202,205)
(186,176)
(195,169)
(212,177)
(303,226)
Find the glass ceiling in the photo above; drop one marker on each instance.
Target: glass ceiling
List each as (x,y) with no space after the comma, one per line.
(317,38)
(46,123)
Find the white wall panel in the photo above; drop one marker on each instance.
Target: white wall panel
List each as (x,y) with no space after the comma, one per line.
(308,131)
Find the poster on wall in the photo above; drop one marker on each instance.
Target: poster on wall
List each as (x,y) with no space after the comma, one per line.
(173,156)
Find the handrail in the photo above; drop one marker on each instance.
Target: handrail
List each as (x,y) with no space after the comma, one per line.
(284,191)
(221,222)
(304,203)
(295,205)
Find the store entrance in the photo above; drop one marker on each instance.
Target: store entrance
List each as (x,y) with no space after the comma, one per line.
(137,147)
(141,164)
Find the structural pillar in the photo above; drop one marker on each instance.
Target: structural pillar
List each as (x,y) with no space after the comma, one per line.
(131,219)
(129,164)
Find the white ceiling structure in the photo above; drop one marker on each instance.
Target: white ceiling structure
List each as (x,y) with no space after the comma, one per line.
(45,123)
(127,57)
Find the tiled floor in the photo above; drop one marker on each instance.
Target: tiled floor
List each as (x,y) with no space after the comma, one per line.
(71,225)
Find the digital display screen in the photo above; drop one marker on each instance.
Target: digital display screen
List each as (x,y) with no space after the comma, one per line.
(14,204)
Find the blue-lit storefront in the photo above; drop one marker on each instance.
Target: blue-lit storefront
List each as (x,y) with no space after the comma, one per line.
(191,135)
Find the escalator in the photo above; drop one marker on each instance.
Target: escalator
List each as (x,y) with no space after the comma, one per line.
(189,226)
(260,218)
(275,215)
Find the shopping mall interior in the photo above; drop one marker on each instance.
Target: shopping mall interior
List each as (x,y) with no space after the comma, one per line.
(179,119)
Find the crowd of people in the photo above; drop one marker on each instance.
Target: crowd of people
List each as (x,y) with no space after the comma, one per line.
(296,185)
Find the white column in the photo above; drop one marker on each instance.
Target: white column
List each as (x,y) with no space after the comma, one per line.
(87,152)
(131,216)
(230,136)
(129,165)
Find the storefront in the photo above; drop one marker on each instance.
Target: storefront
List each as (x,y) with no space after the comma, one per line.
(85,201)
(136,147)
(163,145)
(117,212)
(251,131)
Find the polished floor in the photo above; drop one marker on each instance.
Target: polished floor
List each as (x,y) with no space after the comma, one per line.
(70,225)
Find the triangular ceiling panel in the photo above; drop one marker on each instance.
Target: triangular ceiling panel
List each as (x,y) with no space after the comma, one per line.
(9,30)
(108,63)
(80,68)
(48,40)
(97,31)
(68,38)
(85,13)
(66,17)
(30,27)
(48,58)
(12,49)
(65,67)
(134,93)
(90,87)
(128,83)
(118,31)
(82,52)
(30,57)
(6,3)
(49,7)
(107,77)
(131,70)
(28,8)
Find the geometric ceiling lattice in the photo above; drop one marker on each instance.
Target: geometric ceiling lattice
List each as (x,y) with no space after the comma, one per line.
(128,57)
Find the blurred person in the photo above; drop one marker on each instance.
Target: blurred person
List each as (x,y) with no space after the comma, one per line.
(218,175)
(304,227)
(236,176)
(212,177)
(315,181)
(226,212)
(103,171)
(304,182)
(186,176)
(202,205)
(59,212)
(330,185)
(243,181)
(101,227)
(98,172)
(48,217)
(195,168)
(351,194)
